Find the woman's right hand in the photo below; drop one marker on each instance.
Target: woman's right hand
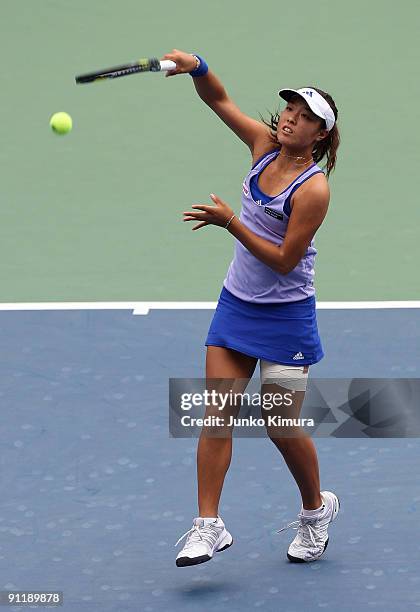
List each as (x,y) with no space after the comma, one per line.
(185,62)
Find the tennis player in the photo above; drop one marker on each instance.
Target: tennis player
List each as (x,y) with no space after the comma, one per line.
(266,309)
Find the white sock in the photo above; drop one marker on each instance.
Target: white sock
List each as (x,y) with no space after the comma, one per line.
(208,519)
(312,513)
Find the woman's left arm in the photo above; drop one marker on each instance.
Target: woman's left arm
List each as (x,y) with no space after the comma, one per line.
(310,205)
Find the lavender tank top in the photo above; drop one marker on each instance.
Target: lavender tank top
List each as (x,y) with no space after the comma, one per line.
(250,279)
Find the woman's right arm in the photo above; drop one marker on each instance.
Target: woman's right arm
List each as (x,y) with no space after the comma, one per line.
(211,91)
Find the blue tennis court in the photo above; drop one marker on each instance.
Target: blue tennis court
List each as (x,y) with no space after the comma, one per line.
(96,493)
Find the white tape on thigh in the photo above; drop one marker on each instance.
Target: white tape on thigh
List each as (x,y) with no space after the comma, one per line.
(290,377)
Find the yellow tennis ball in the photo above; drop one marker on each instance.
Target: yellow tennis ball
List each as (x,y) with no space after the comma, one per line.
(61,123)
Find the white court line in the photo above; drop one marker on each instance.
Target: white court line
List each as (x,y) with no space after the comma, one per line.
(143,308)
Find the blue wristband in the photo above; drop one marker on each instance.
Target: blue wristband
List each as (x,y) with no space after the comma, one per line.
(202,69)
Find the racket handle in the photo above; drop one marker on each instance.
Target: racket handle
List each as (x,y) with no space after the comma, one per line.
(167,65)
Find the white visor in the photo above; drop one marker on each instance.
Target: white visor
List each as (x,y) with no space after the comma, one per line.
(315,101)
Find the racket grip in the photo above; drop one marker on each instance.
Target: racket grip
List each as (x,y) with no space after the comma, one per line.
(167,65)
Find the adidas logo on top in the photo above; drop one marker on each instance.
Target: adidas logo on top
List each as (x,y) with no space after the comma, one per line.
(298,356)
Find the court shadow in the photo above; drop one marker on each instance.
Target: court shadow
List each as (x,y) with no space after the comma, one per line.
(199,589)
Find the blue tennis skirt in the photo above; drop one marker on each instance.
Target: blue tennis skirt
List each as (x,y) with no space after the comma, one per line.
(285,333)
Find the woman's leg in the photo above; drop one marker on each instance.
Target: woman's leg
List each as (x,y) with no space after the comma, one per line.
(301,459)
(214,453)
(297,448)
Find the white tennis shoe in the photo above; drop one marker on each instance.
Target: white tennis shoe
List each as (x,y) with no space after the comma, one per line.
(311,539)
(203,539)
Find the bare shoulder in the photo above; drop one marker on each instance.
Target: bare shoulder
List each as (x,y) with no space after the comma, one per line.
(316,185)
(262,145)
(315,192)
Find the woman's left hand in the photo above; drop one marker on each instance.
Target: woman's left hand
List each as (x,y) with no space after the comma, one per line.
(210,215)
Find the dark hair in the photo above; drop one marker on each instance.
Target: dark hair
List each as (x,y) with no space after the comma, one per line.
(326,147)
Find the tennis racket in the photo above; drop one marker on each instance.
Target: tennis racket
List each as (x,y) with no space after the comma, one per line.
(152,64)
